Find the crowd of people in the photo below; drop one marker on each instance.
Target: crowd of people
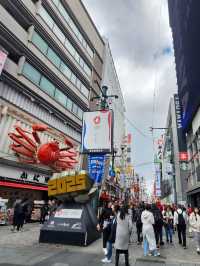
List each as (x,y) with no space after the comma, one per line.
(156,224)
(23,209)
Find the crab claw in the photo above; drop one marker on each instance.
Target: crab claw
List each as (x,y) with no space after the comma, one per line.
(39,127)
(69,143)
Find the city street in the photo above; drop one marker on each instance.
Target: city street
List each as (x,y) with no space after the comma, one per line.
(21,249)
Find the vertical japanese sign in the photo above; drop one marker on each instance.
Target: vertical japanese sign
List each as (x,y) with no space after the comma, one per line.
(158,180)
(3,57)
(96,167)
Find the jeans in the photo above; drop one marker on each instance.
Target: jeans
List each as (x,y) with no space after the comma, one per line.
(109,250)
(182,234)
(169,232)
(146,247)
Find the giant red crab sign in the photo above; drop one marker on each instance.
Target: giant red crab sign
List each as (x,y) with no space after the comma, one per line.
(27,145)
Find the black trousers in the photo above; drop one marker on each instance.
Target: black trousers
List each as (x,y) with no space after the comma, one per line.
(139,231)
(105,237)
(118,252)
(158,234)
(182,234)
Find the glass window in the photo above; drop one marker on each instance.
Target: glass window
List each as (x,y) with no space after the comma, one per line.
(53,57)
(40,43)
(63,12)
(80,113)
(73,26)
(78,84)
(65,70)
(59,33)
(85,91)
(87,70)
(47,86)
(56,2)
(70,48)
(61,97)
(46,17)
(73,79)
(31,73)
(69,104)
(77,57)
(81,62)
(75,109)
(80,36)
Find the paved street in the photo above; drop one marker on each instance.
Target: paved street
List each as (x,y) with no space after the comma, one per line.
(23,249)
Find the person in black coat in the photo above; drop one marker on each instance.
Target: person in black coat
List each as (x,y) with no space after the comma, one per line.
(104,220)
(111,233)
(158,226)
(44,212)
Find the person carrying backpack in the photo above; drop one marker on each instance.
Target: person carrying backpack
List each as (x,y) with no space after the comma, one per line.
(158,225)
(180,222)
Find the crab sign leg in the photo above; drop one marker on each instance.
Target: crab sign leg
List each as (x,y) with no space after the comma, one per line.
(23,134)
(36,137)
(69,143)
(22,150)
(18,140)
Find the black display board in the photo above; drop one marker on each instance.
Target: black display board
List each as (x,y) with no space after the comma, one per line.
(72,224)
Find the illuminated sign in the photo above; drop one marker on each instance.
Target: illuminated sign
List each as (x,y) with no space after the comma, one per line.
(68,184)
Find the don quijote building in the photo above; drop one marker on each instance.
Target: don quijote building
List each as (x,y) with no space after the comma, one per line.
(53,60)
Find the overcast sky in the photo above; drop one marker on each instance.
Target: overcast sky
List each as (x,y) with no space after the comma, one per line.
(141,44)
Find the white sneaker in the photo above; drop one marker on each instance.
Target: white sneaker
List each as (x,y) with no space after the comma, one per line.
(105,251)
(198,250)
(106,260)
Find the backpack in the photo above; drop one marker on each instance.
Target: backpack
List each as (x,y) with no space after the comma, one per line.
(158,217)
(181,220)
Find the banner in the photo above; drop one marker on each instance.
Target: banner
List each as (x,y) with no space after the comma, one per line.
(97,133)
(96,166)
(3,57)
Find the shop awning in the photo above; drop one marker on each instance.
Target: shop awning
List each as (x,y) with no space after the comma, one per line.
(20,185)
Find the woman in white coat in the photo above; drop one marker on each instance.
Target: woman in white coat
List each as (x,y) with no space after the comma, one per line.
(149,240)
(194,222)
(123,232)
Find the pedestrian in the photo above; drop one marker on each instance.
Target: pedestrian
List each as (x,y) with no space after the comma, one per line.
(123,231)
(149,240)
(112,234)
(44,212)
(168,223)
(158,225)
(194,222)
(16,217)
(104,220)
(180,222)
(138,222)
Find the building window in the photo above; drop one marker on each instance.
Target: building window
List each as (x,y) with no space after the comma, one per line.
(60,35)
(46,85)
(53,58)
(61,97)
(69,104)
(73,26)
(56,60)
(31,73)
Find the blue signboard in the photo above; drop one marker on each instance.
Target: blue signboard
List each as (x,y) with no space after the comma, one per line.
(96,166)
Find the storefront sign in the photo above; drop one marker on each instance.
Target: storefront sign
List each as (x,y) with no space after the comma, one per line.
(69,213)
(68,184)
(180,133)
(96,166)
(3,57)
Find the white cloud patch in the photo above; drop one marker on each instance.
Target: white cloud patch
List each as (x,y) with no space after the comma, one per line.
(141,43)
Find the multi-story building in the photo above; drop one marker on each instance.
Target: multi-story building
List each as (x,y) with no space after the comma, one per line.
(174,170)
(185,24)
(54,58)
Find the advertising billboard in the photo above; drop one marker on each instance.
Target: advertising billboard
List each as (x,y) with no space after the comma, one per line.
(97,133)
(96,167)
